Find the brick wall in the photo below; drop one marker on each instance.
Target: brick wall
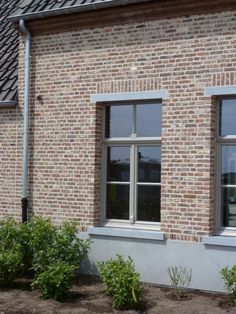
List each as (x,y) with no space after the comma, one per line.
(182,55)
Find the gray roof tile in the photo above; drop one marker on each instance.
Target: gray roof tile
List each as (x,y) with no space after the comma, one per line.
(8,52)
(32,8)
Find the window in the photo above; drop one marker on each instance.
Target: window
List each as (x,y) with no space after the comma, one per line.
(132,164)
(227,163)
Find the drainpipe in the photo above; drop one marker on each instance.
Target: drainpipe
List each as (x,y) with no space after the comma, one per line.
(24,200)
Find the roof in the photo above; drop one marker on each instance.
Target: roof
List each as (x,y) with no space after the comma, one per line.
(8,54)
(31,9)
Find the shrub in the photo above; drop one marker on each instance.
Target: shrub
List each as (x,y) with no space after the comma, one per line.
(229,276)
(37,236)
(180,278)
(10,265)
(122,282)
(11,257)
(56,281)
(52,253)
(50,245)
(56,254)
(9,234)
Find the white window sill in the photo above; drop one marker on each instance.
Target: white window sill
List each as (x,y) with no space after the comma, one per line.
(127,233)
(219,240)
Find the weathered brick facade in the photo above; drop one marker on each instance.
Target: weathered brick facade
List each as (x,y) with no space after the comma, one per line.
(182,55)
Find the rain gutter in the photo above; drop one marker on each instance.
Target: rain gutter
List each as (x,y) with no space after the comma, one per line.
(24,199)
(73,9)
(8,103)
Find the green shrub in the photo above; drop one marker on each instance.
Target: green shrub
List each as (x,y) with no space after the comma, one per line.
(10,265)
(122,282)
(229,276)
(9,233)
(11,256)
(52,253)
(56,281)
(50,245)
(56,254)
(37,236)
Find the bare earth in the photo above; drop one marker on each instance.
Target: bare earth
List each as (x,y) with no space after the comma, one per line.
(88,297)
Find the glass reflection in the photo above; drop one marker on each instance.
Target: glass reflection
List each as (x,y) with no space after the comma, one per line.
(118,121)
(229,206)
(117,201)
(149,164)
(148,120)
(228,165)
(228,117)
(149,203)
(118,164)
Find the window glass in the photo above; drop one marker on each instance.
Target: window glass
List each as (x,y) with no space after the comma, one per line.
(118,121)
(149,200)
(228,181)
(149,164)
(117,201)
(229,206)
(228,165)
(148,121)
(228,117)
(118,164)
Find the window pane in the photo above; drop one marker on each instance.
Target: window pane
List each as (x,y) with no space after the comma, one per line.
(149,164)
(228,117)
(119,121)
(118,164)
(229,206)
(117,201)
(149,203)
(228,165)
(148,121)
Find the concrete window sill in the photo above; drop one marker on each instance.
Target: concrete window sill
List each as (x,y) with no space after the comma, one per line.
(127,233)
(219,240)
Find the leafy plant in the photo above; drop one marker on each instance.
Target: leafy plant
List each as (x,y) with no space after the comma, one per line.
(55,253)
(56,281)
(50,245)
(229,276)
(10,265)
(36,236)
(9,233)
(11,257)
(180,278)
(122,282)
(52,253)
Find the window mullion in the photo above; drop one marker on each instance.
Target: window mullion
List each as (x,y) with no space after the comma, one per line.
(218,189)
(104,182)
(132,185)
(134,119)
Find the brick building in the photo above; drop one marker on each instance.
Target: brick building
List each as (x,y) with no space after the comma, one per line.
(132,129)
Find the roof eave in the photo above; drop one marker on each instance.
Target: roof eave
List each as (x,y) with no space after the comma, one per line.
(8,103)
(73,9)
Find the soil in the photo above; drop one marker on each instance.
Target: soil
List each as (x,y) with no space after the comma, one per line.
(88,297)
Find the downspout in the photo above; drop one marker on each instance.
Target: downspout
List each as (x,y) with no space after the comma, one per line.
(24,200)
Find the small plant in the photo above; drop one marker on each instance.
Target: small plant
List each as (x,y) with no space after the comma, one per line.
(56,281)
(180,278)
(229,276)
(122,282)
